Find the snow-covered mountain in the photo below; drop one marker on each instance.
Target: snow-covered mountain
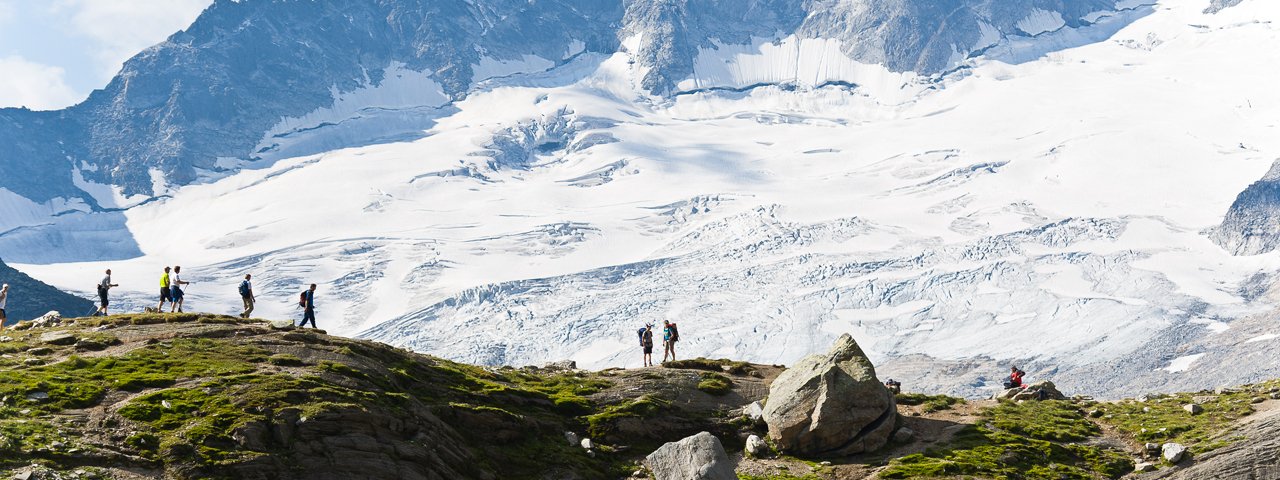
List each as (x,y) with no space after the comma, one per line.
(960,184)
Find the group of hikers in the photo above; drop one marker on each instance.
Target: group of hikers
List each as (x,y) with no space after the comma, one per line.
(670,335)
(171,291)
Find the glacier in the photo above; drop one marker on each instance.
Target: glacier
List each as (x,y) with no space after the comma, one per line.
(1049,199)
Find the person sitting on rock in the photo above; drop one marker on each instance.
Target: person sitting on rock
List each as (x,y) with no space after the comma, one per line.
(893,385)
(1015,378)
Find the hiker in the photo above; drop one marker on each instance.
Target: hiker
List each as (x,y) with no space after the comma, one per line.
(4,299)
(670,335)
(103,287)
(164,290)
(175,290)
(646,343)
(308,304)
(893,385)
(246,294)
(1015,378)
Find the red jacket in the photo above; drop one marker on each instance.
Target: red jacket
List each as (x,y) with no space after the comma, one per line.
(1016,378)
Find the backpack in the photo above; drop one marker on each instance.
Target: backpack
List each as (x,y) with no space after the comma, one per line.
(302,299)
(675,334)
(640,333)
(244,289)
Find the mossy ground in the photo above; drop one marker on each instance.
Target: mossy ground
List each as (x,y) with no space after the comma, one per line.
(928,403)
(1019,440)
(174,392)
(1162,418)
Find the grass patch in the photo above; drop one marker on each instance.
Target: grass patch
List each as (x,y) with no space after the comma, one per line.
(1055,420)
(1026,440)
(79,383)
(715,384)
(1162,419)
(285,360)
(929,403)
(600,425)
(717,365)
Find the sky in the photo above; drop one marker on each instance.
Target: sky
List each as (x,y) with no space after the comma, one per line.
(53,53)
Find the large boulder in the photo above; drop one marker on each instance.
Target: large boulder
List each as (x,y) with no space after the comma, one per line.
(700,457)
(830,404)
(1042,390)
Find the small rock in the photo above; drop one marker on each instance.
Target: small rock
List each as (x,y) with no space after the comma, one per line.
(281,324)
(1173,452)
(904,435)
(1095,413)
(39,351)
(1275,395)
(1257,400)
(1223,391)
(33,361)
(1143,398)
(756,447)
(1203,399)
(58,338)
(25,475)
(754,411)
(25,411)
(1144,467)
(57,445)
(561,365)
(572,438)
(166,404)
(1193,408)
(1152,448)
(6,338)
(825,463)
(587,444)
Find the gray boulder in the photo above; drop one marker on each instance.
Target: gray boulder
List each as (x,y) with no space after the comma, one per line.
(700,457)
(830,404)
(1193,408)
(1173,452)
(756,447)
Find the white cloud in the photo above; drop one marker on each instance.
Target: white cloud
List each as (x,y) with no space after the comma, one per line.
(34,85)
(122,29)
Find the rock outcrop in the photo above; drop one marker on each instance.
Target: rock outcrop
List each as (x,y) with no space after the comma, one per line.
(1042,390)
(1252,224)
(699,457)
(830,404)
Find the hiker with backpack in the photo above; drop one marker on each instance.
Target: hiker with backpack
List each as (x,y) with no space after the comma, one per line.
(670,335)
(4,299)
(646,343)
(164,290)
(246,295)
(175,290)
(103,287)
(1014,380)
(308,303)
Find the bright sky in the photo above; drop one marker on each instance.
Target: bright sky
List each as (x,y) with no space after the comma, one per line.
(54,52)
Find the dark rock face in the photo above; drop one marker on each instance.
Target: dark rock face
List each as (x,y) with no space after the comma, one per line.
(1252,457)
(29,298)
(1252,224)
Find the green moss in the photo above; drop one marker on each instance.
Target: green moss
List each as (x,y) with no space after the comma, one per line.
(717,365)
(22,436)
(600,425)
(1056,420)
(929,403)
(1024,440)
(79,383)
(285,360)
(1163,419)
(778,476)
(715,384)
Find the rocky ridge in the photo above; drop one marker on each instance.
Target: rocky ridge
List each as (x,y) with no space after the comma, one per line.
(205,396)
